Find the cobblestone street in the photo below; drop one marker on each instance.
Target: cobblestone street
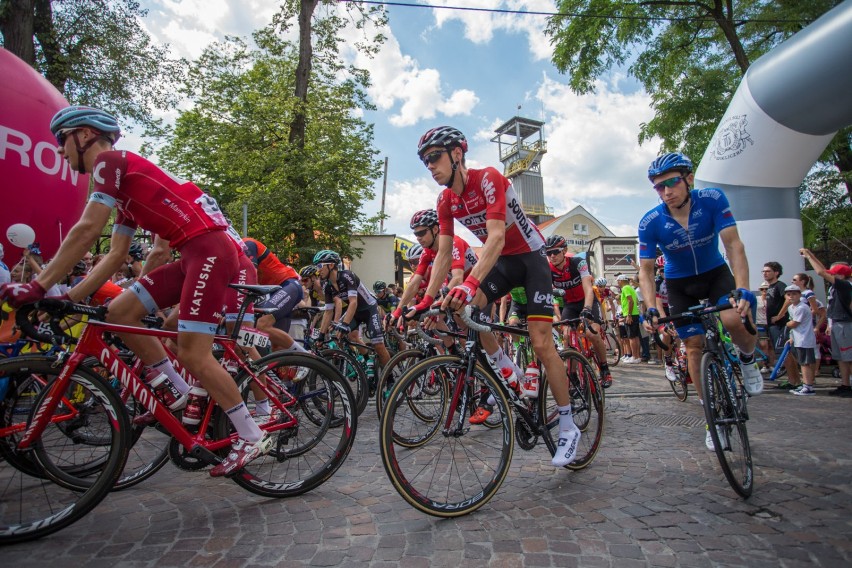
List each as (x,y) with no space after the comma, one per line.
(654,496)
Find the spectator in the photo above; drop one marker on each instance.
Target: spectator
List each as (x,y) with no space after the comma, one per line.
(644,338)
(801,326)
(630,311)
(5,275)
(839,314)
(762,328)
(776,317)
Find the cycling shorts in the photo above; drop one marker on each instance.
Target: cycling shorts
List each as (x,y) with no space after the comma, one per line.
(530,270)
(370,317)
(684,293)
(572,310)
(283,301)
(198,282)
(247,275)
(517,310)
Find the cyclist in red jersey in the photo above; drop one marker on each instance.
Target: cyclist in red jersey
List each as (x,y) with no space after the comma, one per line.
(572,276)
(512,255)
(178,211)
(272,272)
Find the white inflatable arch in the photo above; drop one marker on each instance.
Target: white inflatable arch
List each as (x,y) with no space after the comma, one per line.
(786,110)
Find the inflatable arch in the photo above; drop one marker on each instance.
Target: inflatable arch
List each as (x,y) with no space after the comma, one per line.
(39,192)
(786,110)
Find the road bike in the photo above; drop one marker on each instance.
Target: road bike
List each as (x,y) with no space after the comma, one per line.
(724,397)
(446,467)
(77,430)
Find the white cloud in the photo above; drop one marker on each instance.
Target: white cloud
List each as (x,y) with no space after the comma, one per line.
(592,141)
(479,27)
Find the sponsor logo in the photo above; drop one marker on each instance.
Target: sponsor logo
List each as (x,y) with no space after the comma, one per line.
(201,284)
(493,287)
(732,138)
(521,218)
(668,225)
(648,218)
(174,207)
(489,190)
(542,298)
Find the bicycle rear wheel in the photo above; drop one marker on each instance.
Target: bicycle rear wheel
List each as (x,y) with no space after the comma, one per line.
(679,386)
(351,370)
(613,349)
(726,424)
(396,367)
(587,406)
(305,455)
(79,456)
(449,472)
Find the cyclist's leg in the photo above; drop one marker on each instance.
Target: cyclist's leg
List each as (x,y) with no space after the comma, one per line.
(276,324)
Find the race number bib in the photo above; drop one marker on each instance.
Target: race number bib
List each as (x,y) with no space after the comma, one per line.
(250,337)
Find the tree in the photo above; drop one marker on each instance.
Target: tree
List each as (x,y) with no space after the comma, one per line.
(690,55)
(303,194)
(94,52)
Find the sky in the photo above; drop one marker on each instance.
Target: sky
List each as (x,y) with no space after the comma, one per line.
(474,71)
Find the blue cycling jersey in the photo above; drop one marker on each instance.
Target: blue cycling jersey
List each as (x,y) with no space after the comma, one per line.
(687,251)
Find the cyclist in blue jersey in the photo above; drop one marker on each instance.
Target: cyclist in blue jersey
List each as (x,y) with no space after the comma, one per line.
(687,227)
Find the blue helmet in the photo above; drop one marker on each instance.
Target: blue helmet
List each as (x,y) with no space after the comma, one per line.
(326,256)
(79,116)
(668,162)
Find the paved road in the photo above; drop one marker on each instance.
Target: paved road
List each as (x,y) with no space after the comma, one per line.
(653,497)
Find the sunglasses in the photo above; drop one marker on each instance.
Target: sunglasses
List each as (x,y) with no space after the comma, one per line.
(420,233)
(671,182)
(432,157)
(553,252)
(62,134)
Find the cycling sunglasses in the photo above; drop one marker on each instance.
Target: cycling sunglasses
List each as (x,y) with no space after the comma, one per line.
(432,157)
(421,232)
(671,182)
(62,134)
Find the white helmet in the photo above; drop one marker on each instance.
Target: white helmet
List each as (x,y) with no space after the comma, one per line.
(600,282)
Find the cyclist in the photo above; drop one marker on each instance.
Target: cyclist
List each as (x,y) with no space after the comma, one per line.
(687,226)
(344,288)
(272,272)
(386,301)
(604,296)
(425,226)
(179,212)
(571,275)
(512,255)
(5,275)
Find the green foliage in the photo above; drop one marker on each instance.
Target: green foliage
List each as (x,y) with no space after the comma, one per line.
(689,55)
(234,141)
(96,52)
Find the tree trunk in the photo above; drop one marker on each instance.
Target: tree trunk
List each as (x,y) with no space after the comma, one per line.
(303,72)
(56,63)
(16,24)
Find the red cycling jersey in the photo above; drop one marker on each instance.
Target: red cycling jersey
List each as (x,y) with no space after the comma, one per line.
(570,278)
(148,197)
(463,259)
(270,270)
(489,195)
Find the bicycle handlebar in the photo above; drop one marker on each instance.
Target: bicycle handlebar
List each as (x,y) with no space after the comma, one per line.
(695,312)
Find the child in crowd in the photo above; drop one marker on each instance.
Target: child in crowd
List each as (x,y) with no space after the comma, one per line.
(802,337)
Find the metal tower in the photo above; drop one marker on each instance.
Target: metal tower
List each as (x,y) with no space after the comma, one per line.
(522,145)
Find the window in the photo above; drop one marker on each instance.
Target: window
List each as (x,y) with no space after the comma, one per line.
(581,229)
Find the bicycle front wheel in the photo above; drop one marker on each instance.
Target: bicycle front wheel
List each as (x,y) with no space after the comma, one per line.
(726,424)
(308,453)
(679,385)
(613,349)
(587,406)
(79,455)
(351,370)
(455,467)
(396,367)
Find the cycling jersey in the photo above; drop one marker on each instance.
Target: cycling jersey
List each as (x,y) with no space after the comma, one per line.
(270,270)
(690,251)
(489,195)
(570,278)
(349,288)
(464,259)
(388,302)
(148,197)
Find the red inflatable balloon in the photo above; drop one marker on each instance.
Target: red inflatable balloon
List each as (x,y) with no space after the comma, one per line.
(37,187)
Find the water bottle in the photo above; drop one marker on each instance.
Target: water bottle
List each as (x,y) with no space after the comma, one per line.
(529,387)
(163,388)
(195,406)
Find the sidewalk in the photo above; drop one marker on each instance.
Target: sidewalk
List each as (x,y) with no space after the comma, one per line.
(654,496)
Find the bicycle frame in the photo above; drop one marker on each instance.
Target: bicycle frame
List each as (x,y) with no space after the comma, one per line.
(92,343)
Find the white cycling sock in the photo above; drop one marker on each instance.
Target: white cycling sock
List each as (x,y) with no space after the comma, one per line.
(165,366)
(566,420)
(296,347)
(261,407)
(243,423)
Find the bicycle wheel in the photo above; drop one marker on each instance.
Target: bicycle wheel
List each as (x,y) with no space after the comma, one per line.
(451,472)
(350,369)
(148,451)
(396,367)
(89,411)
(679,385)
(15,409)
(307,454)
(587,406)
(613,349)
(726,424)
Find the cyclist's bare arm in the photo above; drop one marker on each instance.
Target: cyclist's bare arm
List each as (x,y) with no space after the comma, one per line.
(80,239)
(114,259)
(441,264)
(160,254)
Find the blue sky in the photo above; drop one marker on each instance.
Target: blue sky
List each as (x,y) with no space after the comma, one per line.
(470,70)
